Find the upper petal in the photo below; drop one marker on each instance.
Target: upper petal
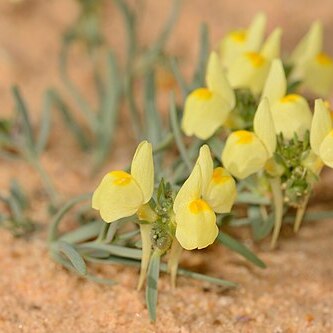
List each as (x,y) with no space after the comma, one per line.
(244,154)
(142,169)
(206,165)
(221,192)
(321,125)
(204,113)
(291,114)
(326,150)
(271,47)
(255,33)
(217,81)
(264,127)
(117,196)
(190,190)
(276,82)
(196,225)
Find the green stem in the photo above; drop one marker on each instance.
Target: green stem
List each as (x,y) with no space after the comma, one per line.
(174,256)
(278,208)
(53,230)
(145,230)
(300,213)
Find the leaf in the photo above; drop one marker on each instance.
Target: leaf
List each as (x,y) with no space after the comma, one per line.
(83,233)
(70,121)
(152,284)
(206,278)
(45,123)
(177,133)
(260,227)
(241,249)
(117,250)
(251,198)
(70,252)
(179,77)
(24,114)
(200,72)
(152,117)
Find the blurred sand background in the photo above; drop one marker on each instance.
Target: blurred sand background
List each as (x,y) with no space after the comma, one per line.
(293,295)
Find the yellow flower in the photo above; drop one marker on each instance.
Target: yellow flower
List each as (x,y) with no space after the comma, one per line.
(122,194)
(205,192)
(311,65)
(243,40)
(321,135)
(250,69)
(206,109)
(247,152)
(291,113)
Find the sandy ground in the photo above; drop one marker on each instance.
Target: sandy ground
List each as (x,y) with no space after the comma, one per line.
(293,295)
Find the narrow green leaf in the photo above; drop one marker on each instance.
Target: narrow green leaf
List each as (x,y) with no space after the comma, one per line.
(45,123)
(152,284)
(241,249)
(22,110)
(53,229)
(251,198)
(83,233)
(203,277)
(177,133)
(179,78)
(155,50)
(70,121)
(152,117)
(75,258)
(118,250)
(260,227)
(216,145)
(200,72)
(83,105)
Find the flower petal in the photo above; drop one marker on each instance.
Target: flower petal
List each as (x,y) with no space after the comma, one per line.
(264,127)
(271,48)
(221,193)
(321,125)
(217,81)
(190,190)
(255,33)
(249,71)
(291,114)
(276,83)
(244,154)
(326,150)
(117,196)
(318,74)
(196,225)
(206,165)
(142,169)
(204,113)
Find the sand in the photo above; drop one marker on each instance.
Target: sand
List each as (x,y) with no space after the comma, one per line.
(295,292)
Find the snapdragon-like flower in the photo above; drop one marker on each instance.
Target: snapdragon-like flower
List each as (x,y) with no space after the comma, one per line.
(206,191)
(321,135)
(121,194)
(247,152)
(291,113)
(311,65)
(250,69)
(240,41)
(206,109)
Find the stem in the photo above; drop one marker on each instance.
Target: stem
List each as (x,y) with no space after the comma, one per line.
(103,232)
(175,253)
(53,231)
(300,213)
(177,133)
(145,230)
(278,208)
(48,184)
